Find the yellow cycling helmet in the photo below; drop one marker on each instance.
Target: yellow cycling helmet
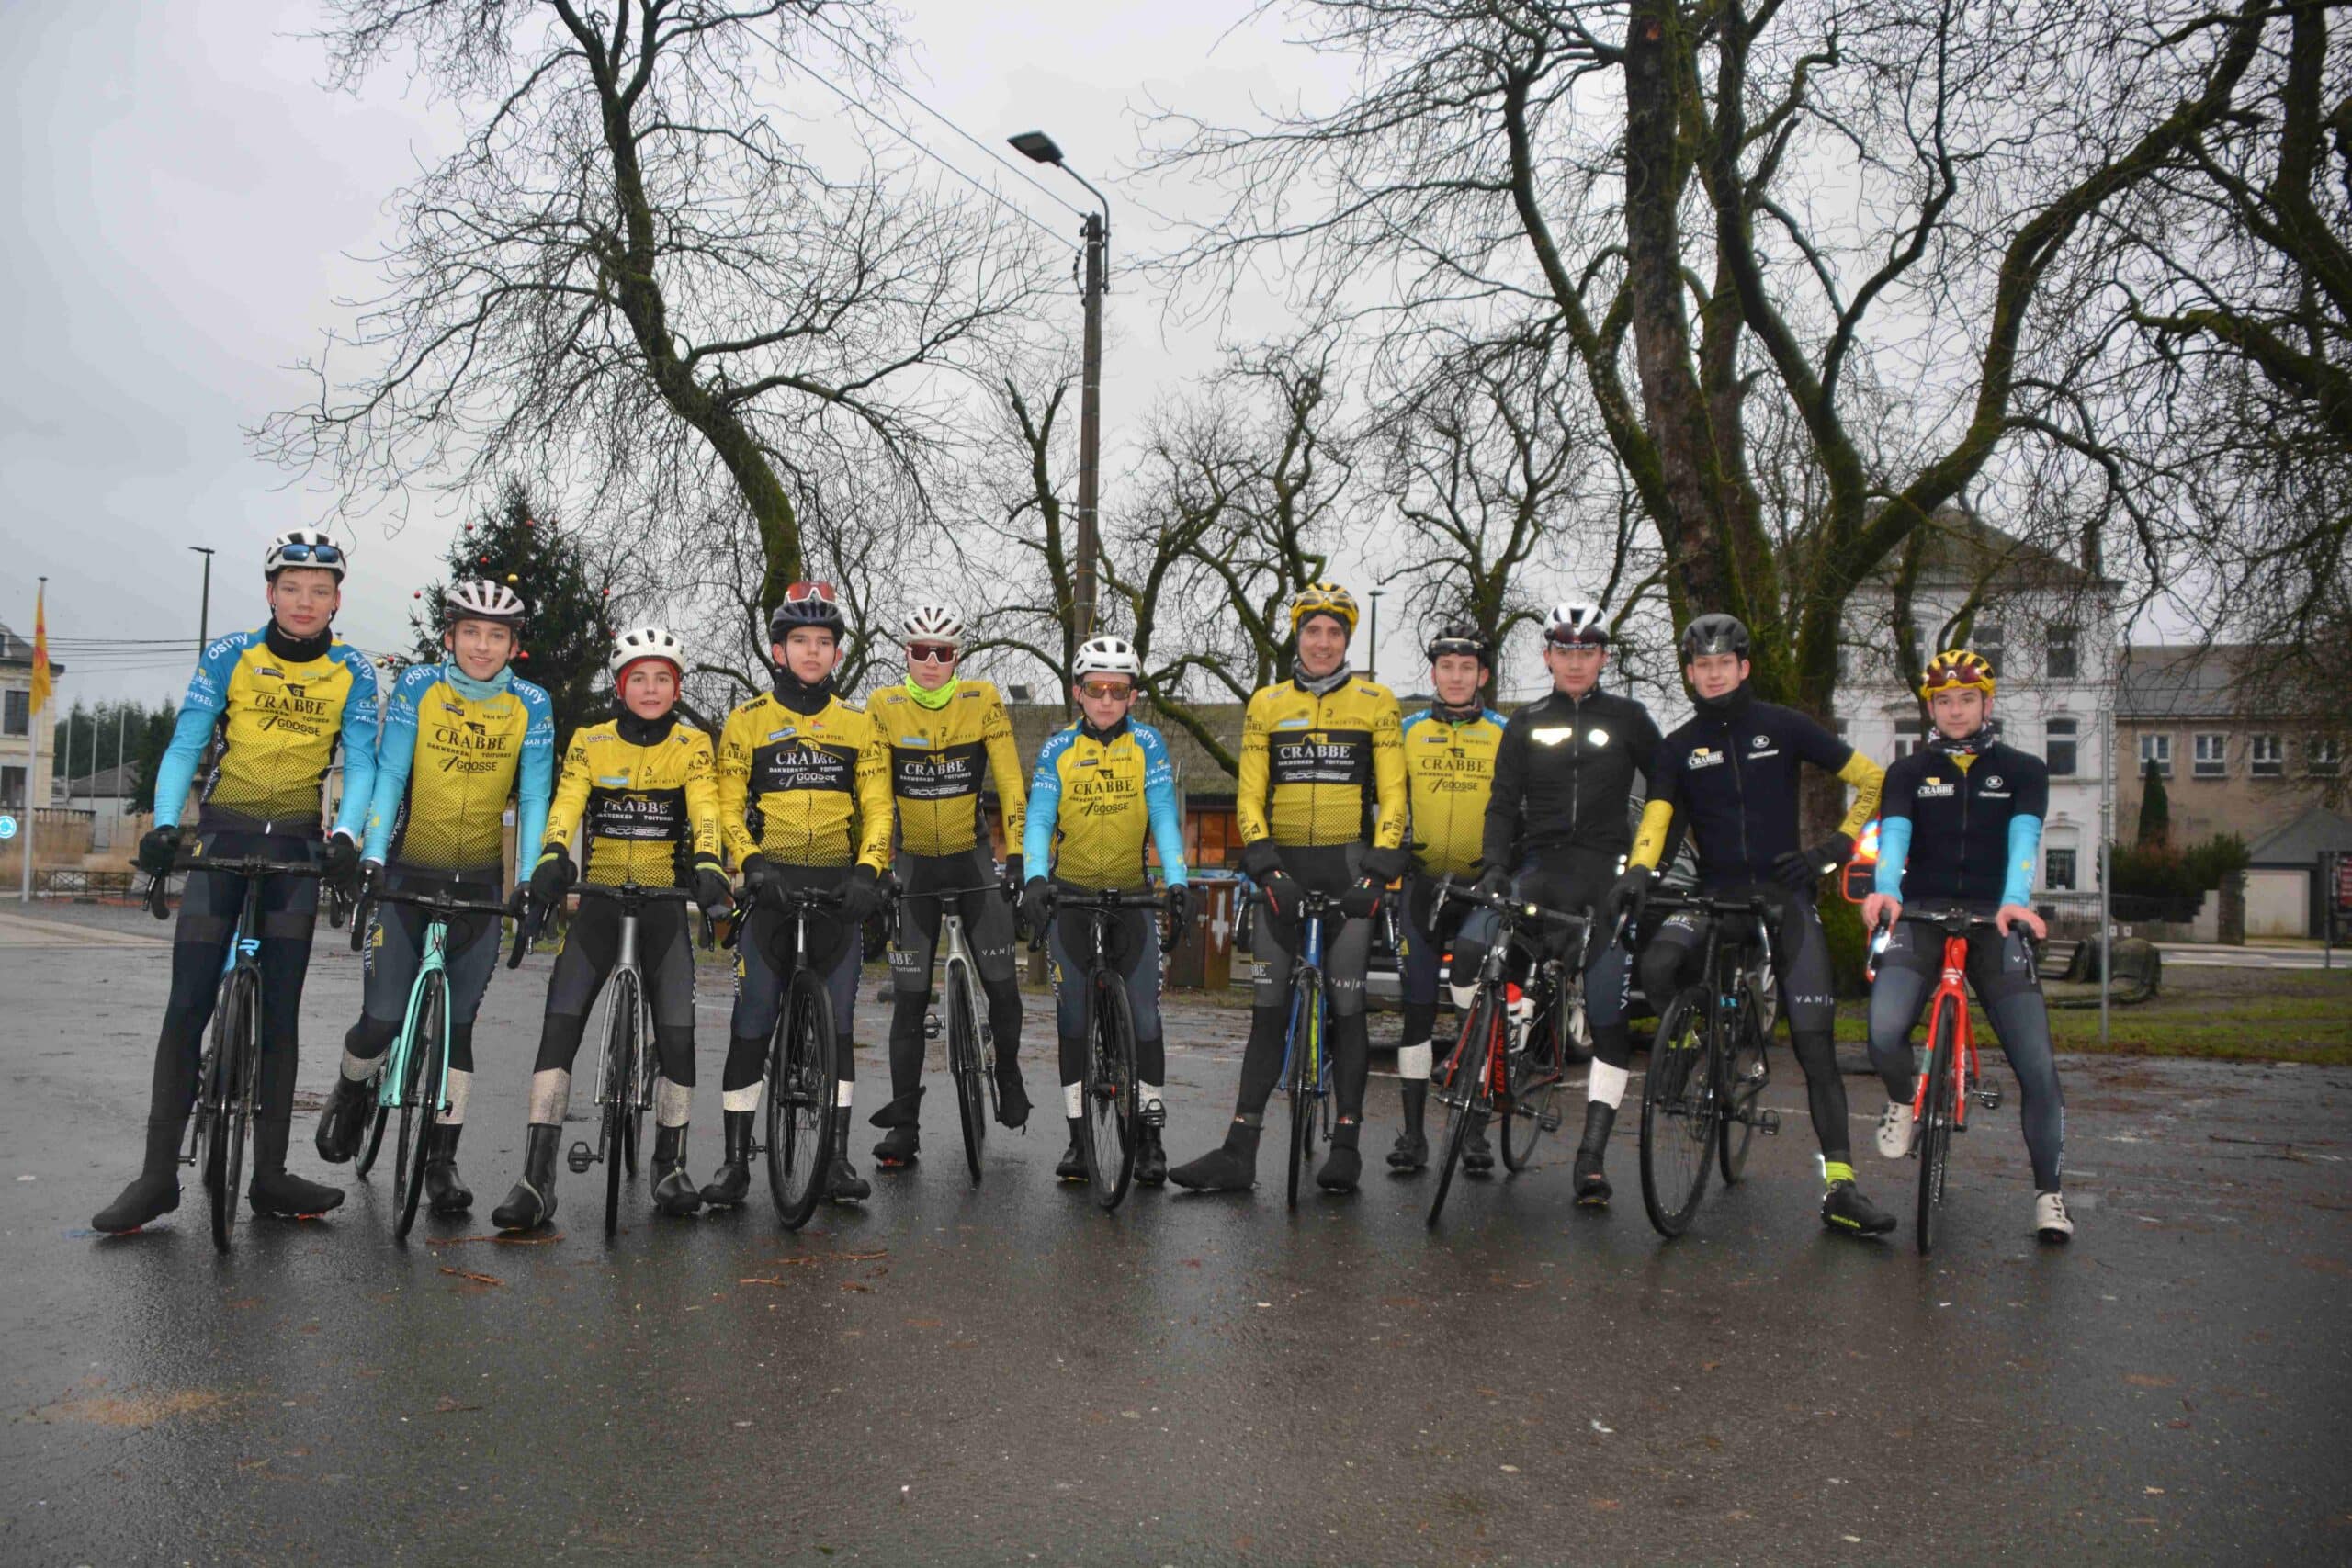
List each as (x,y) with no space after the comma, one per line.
(1956,669)
(1323,599)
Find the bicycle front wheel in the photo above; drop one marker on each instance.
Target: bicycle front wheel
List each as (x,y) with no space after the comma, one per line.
(649,1072)
(1462,1086)
(964,1066)
(1679,1110)
(1534,1076)
(427,1050)
(1108,1126)
(616,1081)
(1305,1073)
(1934,1141)
(799,1094)
(375,1135)
(1744,1077)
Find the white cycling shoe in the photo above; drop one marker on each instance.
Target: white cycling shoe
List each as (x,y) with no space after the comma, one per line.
(1895,1128)
(2050,1219)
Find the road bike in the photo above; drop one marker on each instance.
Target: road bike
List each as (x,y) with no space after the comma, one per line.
(802,1084)
(1306,1060)
(1706,1068)
(1501,1070)
(971,1044)
(1939,1103)
(229,1074)
(1111,1115)
(414,1078)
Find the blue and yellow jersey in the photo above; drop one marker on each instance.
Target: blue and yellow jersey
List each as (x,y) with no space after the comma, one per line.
(1326,769)
(1449,774)
(938,757)
(264,729)
(804,789)
(1092,801)
(643,809)
(446,766)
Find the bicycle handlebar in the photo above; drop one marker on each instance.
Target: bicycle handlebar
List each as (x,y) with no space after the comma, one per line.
(1517,910)
(1753,905)
(338,902)
(442,905)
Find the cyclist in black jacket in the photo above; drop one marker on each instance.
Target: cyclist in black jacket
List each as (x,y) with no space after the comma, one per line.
(1558,830)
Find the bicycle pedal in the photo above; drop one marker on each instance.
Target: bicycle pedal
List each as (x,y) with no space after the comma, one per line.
(1767,1122)
(1990,1099)
(1550,1121)
(931,1026)
(578,1158)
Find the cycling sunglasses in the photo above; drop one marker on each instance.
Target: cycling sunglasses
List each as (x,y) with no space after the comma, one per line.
(321,555)
(931,653)
(1102,691)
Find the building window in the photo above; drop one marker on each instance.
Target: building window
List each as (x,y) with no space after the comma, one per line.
(2266,757)
(12,788)
(2321,755)
(2157,749)
(1990,642)
(20,712)
(2061,662)
(2212,759)
(2058,870)
(1909,735)
(2060,747)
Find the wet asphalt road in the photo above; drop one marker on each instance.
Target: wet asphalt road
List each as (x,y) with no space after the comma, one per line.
(1006,1375)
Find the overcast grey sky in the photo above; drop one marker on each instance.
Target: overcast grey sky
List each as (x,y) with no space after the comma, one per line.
(190,198)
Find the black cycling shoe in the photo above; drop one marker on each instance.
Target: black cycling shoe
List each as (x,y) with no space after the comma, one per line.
(1845,1209)
(275,1191)
(345,1121)
(675,1193)
(151,1194)
(1591,1182)
(1151,1158)
(843,1184)
(896,1150)
(1409,1153)
(1072,1167)
(1231,1166)
(1011,1097)
(731,1182)
(1342,1167)
(532,1203)
(1477,1154)
(445,1190)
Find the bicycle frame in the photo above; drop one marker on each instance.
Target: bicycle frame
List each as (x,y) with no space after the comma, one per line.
(1310,961)
(1951,993)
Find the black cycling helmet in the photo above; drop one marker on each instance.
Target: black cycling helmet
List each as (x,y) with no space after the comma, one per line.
(1713,634)
(1462,636)
(807,604)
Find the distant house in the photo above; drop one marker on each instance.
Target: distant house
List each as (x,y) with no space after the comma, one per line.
(2231,761)
(27,761)
(2286,884)
(107,795)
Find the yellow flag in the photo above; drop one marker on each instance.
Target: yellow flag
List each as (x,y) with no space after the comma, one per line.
(40,651)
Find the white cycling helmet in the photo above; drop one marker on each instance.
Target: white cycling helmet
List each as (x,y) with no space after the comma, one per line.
(482,600)
(308,547)
(1107,656)
(647,642)
(1578,623)
(933,622)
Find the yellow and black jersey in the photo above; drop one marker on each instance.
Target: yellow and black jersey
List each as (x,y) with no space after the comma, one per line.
(1449,773)
(264,718)
(639,806)
(1322,769)
(446,766)
(804,789)
(938,757)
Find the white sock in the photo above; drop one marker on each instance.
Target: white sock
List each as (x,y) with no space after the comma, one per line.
(1146,1097)
(1073,1099)
(673,1103)
(1607,1085)
(461,1084)
(841,1094)
(1462,995)
(550,1095)
(744,1099)
(359,1069)
(1413,1061)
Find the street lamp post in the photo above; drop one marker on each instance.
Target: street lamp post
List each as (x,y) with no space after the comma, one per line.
(204,610)
(1038,147)
(1372,669)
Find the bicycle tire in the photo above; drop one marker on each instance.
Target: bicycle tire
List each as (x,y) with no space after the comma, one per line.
(1107,1127)
(1745,1073)
(616,1081)
(1305,1044)
(1935,1133)
(1678,1108)
(797,1100)
(1533,1076)
(963,1067)
(427,1050)
(1460,1095)
(648,1070)
(221,1092)
(205,1118)
(408,1146)
(383,1118)
(247,1082)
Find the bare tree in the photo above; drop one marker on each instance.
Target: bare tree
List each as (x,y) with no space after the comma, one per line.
(631,271)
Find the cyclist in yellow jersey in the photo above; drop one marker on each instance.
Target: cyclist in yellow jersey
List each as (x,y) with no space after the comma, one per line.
(641,789)
(1449,771)
(1103,787)
(1320,804)
(265,713)
(945,734)
(460,740)
(804,792)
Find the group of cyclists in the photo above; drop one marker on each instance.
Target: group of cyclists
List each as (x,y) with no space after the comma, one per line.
(1342,800)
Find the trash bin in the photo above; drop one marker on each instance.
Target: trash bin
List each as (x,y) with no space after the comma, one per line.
(1203,956)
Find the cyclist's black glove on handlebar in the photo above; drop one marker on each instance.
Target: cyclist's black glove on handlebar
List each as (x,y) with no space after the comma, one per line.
(553,877)
(1014,878)
(371,876)
(1800,869)
(342,872)
(1361,900)
(1628,894)
(1180,908)
(1493,883)
(1265,865)
(710,888)
(758,872)
(1034,898)
(1387,865)
(860,895)
(158,847)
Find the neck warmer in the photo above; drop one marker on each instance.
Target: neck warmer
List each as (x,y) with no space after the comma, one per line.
(1319,685)
(935,698)
(1091,733)
(802,696)
(1453,714)
(476,690)
(297,650)
(1728,706)
(644,731)
(1967,745)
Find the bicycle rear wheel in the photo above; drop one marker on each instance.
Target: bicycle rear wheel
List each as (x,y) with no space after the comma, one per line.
(1533,1078)
(1679,1111)
(963,1067)
(616,1083)
(798,1098)
(1934,1142)
(1460,1087)
(427,1049)
(1744,1078)
(1110,1091)
(1305,1073)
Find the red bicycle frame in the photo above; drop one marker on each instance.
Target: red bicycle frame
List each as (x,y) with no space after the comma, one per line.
(1951,992)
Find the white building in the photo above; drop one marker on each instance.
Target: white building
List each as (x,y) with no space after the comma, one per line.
(27,760)
(2048,627)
